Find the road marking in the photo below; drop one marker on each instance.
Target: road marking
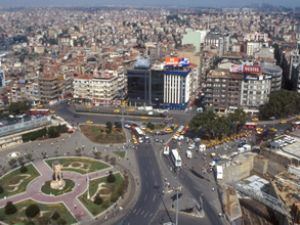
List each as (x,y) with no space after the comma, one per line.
(134,210)
(154,197)
(146,214)
(142,213)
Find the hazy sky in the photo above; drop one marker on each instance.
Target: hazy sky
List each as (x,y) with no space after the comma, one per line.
(213,3)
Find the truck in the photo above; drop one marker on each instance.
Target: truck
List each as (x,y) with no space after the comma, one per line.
(166,150)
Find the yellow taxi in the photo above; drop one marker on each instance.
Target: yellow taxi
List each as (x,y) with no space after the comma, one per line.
(116,110)
(255,119)
(89,122)
(168,130)
(283,121)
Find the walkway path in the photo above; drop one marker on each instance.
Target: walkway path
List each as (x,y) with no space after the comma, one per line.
(70,199)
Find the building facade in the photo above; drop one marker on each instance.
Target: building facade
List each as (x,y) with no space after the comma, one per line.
(100,88)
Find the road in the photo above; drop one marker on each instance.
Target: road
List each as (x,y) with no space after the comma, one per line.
(151,188)
(66,112)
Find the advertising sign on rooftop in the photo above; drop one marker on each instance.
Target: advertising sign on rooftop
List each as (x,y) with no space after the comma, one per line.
(252,69)
(177,61)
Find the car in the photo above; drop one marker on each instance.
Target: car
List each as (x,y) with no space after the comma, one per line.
(283,121)
(89,122)
(156,140)
(161,141)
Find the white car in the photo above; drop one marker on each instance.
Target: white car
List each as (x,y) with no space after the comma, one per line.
(191,147)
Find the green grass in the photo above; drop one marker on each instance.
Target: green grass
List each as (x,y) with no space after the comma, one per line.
(120,154)
(67,188)
(98,134)
(90,165)
(113,187)
(19,216)
(15,177)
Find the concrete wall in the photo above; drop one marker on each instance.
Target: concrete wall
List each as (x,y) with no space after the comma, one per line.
(240,170)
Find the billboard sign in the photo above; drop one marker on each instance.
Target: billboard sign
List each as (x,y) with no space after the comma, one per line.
(177,61)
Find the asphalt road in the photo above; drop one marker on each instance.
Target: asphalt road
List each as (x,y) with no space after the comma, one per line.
(73,118)
(151,188)
(197,188)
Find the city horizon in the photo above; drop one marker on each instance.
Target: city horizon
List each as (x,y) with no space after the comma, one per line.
(146,3)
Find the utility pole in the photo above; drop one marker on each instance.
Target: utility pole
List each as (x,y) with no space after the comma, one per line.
(177,201)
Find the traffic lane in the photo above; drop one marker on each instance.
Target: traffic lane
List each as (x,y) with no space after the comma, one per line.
(166,216)
(151,184)
(201,190)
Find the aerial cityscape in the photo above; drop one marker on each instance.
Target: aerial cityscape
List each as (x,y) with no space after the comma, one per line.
(149,112)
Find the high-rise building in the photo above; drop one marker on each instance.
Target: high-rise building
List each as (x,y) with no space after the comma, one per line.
(164,85)
(294,74)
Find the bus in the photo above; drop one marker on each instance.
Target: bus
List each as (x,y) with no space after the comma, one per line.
(219,172)
(176,159)
(139,133)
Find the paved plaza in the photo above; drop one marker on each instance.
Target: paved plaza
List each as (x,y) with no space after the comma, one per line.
(70,199)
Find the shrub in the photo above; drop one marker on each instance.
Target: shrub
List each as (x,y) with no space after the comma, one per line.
(55,216)
(32,211)
(23,169)
(111,177)
(98,200)
(10,208)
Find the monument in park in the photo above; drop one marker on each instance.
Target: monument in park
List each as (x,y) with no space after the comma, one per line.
(57,180)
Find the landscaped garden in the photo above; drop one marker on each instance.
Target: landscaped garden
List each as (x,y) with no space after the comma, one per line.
(79,164)
(104,192)
(28,210)
(69,185)
(104,134)
(16,181)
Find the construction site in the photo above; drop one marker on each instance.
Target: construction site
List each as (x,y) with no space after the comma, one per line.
(264,188)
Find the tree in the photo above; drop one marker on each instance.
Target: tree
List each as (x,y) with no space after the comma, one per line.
(78,151)
(1,189)
(28,156)
(23,169)
(113,161)
(32,211)
(111,177)
(118,125)
(97,155)
(10,208)
(53,132)
(108,127)
(16,108)
(98,200)
(12,162)
(106,158)
(55,215)
(150,126)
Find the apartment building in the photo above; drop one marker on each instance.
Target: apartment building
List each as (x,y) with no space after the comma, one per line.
(222,91)
(99,88)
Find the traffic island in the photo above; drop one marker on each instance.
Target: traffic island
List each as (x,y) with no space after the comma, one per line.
(103,192)
(68,187)
(31,212)
(104,134)
(16,181)
(80,165)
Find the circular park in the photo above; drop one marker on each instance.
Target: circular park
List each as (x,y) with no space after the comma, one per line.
(60,190)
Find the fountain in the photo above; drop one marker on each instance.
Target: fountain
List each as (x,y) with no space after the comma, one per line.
(57,182)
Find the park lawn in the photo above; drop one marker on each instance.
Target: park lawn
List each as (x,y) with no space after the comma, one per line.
(90,165)
(115,191)
(67,188)
(97,134)
(15,177)
(20,217)
(120,154)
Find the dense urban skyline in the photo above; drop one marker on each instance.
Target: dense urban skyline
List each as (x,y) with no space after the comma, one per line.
(90,3)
